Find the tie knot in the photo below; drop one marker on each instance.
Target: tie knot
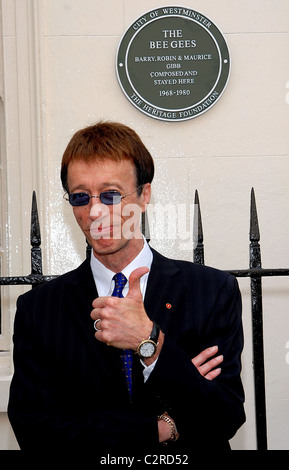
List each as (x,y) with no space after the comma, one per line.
(120,282)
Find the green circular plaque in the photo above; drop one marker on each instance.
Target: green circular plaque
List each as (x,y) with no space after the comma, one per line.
(173,63)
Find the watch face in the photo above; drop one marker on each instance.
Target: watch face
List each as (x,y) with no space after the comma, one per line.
(147,349)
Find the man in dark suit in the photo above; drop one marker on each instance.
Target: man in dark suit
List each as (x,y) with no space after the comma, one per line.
(128,364)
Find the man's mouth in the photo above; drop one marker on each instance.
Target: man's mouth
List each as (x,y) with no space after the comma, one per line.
(101,230)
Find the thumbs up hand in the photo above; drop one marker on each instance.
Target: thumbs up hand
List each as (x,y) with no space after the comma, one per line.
(123,322)
(134,291)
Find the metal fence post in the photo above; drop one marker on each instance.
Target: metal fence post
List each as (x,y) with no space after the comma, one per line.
(257,325)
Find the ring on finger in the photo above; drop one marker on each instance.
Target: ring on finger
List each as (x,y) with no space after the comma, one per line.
(95,323)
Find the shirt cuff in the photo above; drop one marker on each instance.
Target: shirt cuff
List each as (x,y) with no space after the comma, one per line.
(148,369)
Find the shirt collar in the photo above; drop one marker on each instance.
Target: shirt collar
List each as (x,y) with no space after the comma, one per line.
(103,276)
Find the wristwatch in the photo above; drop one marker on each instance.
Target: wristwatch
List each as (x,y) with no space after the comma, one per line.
(148,347)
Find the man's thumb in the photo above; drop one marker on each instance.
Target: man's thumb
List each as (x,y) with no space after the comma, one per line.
(134,291)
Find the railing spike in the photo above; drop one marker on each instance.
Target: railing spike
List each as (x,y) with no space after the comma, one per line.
(198,232)
(254,225)
(255,250)
(35,239)
(145,226)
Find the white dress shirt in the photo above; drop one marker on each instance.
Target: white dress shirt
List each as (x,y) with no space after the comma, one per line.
(105,284)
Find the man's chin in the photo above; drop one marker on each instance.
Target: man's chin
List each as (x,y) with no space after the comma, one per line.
(107,246)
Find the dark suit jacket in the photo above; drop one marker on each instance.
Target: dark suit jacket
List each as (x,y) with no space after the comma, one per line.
(68,390)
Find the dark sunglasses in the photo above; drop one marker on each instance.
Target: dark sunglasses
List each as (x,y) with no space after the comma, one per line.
(107,197)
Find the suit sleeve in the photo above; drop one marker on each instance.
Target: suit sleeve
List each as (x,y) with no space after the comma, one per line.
(204,411)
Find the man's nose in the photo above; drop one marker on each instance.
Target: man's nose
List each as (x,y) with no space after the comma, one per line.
(97,209)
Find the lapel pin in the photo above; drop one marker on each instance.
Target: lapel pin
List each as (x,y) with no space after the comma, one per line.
(168,306)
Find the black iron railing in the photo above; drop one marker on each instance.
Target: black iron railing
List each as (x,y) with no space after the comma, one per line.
(255,272)
(36,276)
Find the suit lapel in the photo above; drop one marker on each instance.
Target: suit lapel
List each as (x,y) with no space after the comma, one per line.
(162,297)
(82,293)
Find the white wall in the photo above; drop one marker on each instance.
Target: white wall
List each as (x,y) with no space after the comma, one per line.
(59,75)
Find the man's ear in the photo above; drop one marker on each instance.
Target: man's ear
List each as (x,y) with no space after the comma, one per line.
(145,195)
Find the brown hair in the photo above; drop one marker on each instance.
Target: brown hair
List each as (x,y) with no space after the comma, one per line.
(109,140)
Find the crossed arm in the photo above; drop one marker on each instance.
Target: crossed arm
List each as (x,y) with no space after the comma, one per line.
(208,367)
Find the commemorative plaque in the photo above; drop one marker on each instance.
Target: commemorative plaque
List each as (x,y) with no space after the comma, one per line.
(173,63)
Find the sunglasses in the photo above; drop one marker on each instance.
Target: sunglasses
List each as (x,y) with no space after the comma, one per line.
(107,197)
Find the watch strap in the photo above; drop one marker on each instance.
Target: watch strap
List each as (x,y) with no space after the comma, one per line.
(155,333)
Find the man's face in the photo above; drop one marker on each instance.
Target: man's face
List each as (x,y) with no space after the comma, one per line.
(109,229)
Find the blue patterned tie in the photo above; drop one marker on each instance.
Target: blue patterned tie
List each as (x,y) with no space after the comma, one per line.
(126,356)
